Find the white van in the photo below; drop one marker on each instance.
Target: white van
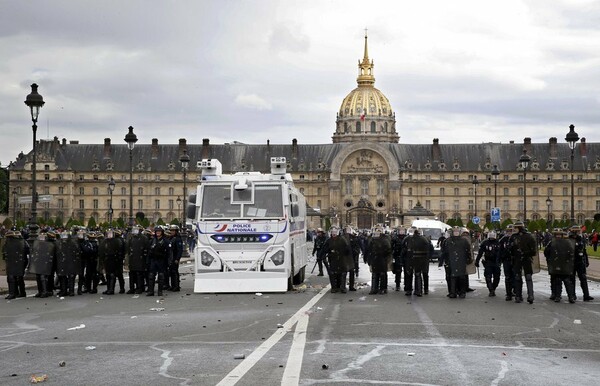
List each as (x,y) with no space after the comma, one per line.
(433,229)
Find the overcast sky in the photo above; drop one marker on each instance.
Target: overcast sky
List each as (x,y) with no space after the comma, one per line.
(248,71)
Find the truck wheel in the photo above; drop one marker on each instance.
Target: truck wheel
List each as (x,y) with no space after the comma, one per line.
(299,278)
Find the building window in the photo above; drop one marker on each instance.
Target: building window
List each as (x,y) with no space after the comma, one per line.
(506,205)
(410,203)
(427,177)
(123,204)
(61,203)
(535,177)
(95,204)
(488,205)
(597,206)
(505,191)
(442,177)
(373,127)
(565,191)
(123,191)
(302,190)
(95,191)
(171,177)
(428,204)
(358,127)
(519,191)
(520,177)
(442,205)
(580,191)
(171,205)
(301,177)
(364,187)
(471,205)
(141,191)
(81,177)
(535,192)
(95,177)
(47,177)
(597,191)
(535,206)
(156,204)
(157,191)
(579,177)
(505,177)
(456,205)
(580,205)
(380,186)
(550,192)
(157,178)
(564,177)
(488,191)
(61,190)
(172,191)
(565,205)
(46,190)
(520,206)
(348,186)
(456,177)
(81,191)
(46,167)
(410,191)
(442,191)
(428,191)
(456,191)
(140,204)
(549,177)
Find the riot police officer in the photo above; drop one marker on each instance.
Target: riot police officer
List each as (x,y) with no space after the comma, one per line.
(317,246)
(581,261)
(506,259)
(351,236)
(86,250)
(379,258)
(336,255)
(560,256)
(456,254)
(177,251)
(417,250)
(397,245)
(42,258)
(490,250)
(112,253)
(68,263)
(15,253)
(137,252)
(159,255)
(523,249)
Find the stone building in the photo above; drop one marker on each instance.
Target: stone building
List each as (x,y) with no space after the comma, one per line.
(365,176)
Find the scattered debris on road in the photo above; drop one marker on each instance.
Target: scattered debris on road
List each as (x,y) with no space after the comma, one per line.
(76,328)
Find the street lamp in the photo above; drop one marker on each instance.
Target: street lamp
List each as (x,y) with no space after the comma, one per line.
(14,193)
(524,160)
(178,205)
(572,138)
(548,204)
(495,174)
(111,189)
(475,183)
(131,139)
(35,102)
(185,162)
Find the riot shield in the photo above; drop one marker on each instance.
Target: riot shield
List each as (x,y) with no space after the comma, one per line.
(459,252)
(419,247)
(68,257)
(532,247)
(14,251)
(562,257)
(42,256)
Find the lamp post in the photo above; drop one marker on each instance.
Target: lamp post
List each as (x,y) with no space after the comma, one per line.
(572,138)
(495,174)
(185,162)
(475,183)
(131,139)
(111,189)
(548,204)
(35,102)
(178,205)
(14,193)
(524,160)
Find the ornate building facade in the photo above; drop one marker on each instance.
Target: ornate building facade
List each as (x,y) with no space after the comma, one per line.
(363,178)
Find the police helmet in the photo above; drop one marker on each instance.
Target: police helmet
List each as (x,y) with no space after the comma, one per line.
(174,227)
(334,231)
(492,235)
(519,224)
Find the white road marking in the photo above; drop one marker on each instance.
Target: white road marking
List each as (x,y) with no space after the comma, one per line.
(327,329)
(501,374)
(291,374)
(236,374)
(166,363)
(357,364)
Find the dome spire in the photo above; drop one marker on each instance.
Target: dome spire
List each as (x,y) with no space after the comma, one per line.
(365,68)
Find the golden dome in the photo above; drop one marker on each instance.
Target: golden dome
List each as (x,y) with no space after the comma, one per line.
(365,113)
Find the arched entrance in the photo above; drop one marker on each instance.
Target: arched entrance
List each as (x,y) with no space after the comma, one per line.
(363,215)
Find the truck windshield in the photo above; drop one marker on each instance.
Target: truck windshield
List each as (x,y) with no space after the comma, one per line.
(216,202)
(434,233)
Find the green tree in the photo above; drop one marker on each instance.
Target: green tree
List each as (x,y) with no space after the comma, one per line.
(59,223)
(160,221)
(120,223)
(91,223)
(506,223)
(327,223)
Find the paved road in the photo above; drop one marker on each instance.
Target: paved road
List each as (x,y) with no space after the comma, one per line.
(194,339)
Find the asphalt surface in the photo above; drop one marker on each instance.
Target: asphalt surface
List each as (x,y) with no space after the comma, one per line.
(307,336)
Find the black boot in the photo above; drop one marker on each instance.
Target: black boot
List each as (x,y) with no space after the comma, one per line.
(62,282)
(95,281)
(140,282)
(397,282)
(161,279)
(343,278)
(374,284)
(351,281)
(425,283)
(38,279)
(80,285)
(383,283)
(71,285)
(121,283)
(509,288)
(584,288)
(12,288)
(175,281)
(418,284)
(488,284)
(453,284)
(21,287)
(151,281)
(132,282)
(552,287)
(518,289)
(111,280)
(570,286)
(529,282)
(45,286)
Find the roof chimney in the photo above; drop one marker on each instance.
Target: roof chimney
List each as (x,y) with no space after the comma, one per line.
(436,152)
(154,151)
(527,146)
(294,148)
(553,150)
(182,145)
(205,149)
(107,148)
(583,148)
